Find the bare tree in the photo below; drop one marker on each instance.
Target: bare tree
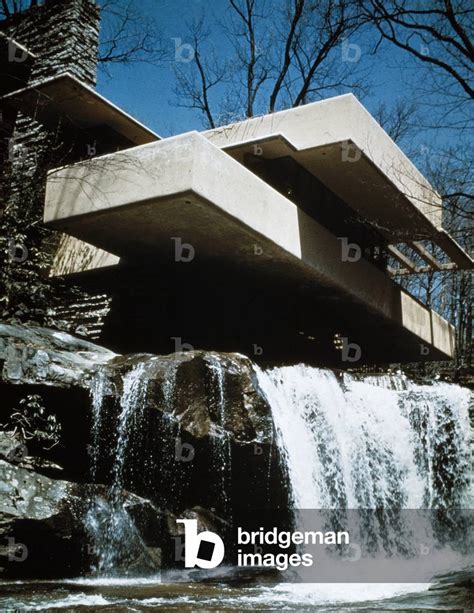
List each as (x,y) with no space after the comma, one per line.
(194,89)
(398,120)
(438,33)
(128,35)
(281,56)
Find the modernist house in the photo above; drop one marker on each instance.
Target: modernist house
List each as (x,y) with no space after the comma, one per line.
(274,236)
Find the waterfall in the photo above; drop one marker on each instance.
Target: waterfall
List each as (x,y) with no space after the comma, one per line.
(222,458)
(352,445)
(98,390)
(346,442)
(116,542)
(370,443)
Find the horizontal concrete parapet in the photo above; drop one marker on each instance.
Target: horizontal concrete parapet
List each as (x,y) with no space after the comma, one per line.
(144,203)
(341,143)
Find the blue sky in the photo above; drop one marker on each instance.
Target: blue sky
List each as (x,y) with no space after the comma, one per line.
(146,91)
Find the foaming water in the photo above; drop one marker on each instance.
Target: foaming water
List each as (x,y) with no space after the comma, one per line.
(346,442)
(387,443)
(375,443)
(144,596)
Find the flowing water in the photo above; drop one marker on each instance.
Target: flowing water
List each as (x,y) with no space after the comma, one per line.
(372,443)
(347,443)
(222,443)
(115,540)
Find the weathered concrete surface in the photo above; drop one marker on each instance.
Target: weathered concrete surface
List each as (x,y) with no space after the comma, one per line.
(67,97)
(341,143)
(139,204)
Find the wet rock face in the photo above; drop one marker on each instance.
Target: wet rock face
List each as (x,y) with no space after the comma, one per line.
(208,394)
(205,434)
(197,441)
(42,529)
(33,355)
(41,533)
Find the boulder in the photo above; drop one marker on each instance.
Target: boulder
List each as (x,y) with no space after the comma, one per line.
(208,394)
(44,529)
(198,434)
(34,355)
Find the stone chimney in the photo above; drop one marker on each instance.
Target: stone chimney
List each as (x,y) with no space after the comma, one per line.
(63,35)
(40,43)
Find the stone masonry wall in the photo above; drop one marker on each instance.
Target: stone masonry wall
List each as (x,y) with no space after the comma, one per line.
(63,34)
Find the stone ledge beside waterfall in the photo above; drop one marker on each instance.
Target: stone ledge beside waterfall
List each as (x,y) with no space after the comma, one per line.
(40,356)
(208,402)
(34,355)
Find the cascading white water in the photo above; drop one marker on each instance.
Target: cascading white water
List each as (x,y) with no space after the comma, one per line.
(98,391)
(369,443)
(222,443)
(113,533)
(132,404)
(373,443)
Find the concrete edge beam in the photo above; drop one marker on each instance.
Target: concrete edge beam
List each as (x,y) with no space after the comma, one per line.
(85,198)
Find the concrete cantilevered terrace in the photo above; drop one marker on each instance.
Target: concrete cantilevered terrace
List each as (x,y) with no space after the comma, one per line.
(221,256)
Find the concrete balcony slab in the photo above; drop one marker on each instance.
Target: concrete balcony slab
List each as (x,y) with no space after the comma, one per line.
(184,202)
(66,98)
(341,144)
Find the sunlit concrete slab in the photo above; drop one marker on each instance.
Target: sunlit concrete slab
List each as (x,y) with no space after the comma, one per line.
(341,144)
(66,97)
(183,198)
